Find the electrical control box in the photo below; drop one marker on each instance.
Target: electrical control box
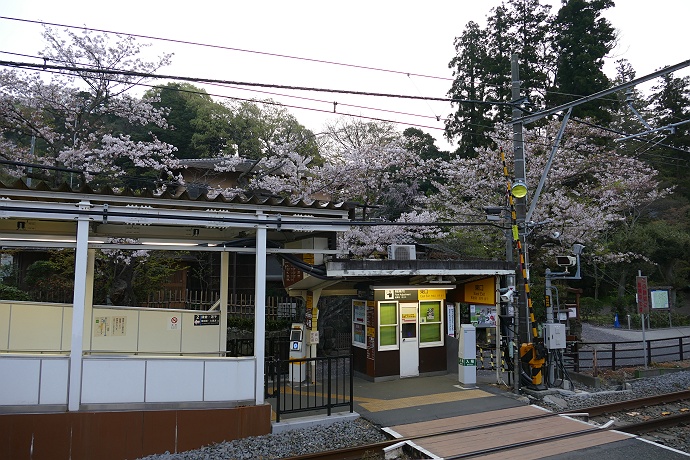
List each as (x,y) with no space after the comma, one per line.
(554,336)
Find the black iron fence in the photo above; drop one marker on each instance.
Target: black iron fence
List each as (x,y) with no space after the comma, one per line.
(310,384)
(615,355)
(276,347)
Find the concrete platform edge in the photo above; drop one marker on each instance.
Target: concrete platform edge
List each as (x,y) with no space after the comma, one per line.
(313,420)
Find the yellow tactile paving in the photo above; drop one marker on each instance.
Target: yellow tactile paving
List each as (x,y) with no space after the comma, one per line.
(377,405)
(413,401)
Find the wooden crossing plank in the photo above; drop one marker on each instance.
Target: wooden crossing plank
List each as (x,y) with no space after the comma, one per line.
(466,421)
(448,445)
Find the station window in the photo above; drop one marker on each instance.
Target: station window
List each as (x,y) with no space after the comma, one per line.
(359,323)
(388,325)
(430,324)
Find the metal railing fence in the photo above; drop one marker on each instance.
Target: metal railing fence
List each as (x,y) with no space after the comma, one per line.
(615,355)
(310,384)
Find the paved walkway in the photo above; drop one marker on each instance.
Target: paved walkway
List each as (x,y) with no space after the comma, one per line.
(593,333)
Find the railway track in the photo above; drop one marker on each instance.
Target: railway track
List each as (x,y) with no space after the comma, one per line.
(376,451)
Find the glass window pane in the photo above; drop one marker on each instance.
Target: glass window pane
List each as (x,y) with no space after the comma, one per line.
(409,330)
(388,313)
(430,311)
(430,332)
(388,335)
(358,335)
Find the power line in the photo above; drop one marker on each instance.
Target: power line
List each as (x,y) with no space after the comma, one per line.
(227,48)
(129,73)
(267,102)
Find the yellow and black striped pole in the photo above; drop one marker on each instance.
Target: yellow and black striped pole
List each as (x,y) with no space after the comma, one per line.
(530,352)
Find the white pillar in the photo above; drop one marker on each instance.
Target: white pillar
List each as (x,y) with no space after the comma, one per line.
(315,296)
(78,307)
(260,310)
(88,300)
(224,288)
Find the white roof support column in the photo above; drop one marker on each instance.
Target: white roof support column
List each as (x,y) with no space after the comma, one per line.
(260,310)
(78,307)
(224,288)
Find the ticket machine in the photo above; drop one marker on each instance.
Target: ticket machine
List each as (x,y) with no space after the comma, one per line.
(298,351)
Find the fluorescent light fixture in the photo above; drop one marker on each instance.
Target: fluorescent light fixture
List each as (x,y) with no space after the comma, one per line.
(163,243)
(41,240)
(416,287)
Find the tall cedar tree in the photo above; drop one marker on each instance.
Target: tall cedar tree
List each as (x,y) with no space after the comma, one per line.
(582,41)
(482,70)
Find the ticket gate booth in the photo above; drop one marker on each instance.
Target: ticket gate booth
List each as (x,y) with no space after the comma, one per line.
(298,352)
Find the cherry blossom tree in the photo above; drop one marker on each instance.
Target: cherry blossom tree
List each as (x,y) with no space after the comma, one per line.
(589,191)
(83,119)
(369,164)
(366,164)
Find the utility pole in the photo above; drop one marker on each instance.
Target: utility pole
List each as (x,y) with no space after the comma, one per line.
(520,211)
(520,203)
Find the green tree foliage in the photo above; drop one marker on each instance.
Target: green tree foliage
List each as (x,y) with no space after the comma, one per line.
(54,274)
(482,70)
(127,277)
(582,41)
(424,145)
(561,58)
(472,121)
(198,126)
(121,277)
(257,126)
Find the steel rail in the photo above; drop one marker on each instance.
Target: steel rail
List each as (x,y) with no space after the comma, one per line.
(655,424)
(635,403)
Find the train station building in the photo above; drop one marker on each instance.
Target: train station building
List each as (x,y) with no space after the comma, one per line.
(87,375)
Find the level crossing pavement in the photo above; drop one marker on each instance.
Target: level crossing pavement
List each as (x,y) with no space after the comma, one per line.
(444,401)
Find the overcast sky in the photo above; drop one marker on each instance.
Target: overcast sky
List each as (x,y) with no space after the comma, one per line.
(382,34)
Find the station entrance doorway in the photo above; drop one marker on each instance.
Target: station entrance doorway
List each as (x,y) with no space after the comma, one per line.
(409,342)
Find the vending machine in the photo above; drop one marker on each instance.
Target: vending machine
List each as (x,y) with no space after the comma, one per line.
(298,352)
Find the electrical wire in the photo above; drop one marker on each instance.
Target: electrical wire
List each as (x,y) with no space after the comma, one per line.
(267,102)
(227,48)
(130,73)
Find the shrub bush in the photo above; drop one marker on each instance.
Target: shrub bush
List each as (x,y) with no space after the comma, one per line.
(12,293)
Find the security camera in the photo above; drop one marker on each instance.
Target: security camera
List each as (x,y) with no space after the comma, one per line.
(507,293)
(566,261)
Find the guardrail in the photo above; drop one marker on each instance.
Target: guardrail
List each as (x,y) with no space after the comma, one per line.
(310,384)
(614,355)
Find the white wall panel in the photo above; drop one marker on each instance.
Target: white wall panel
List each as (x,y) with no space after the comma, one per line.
(113,380)
(229,380)
(19,380)
(160,331)
(4,325)
(35,327)
(54,380)
(114,330)
(198,338)
(169,380)
(66,344)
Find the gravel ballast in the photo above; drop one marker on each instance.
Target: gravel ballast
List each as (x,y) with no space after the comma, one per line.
(287,444)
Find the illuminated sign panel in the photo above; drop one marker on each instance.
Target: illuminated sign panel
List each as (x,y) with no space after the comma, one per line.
(482,292)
